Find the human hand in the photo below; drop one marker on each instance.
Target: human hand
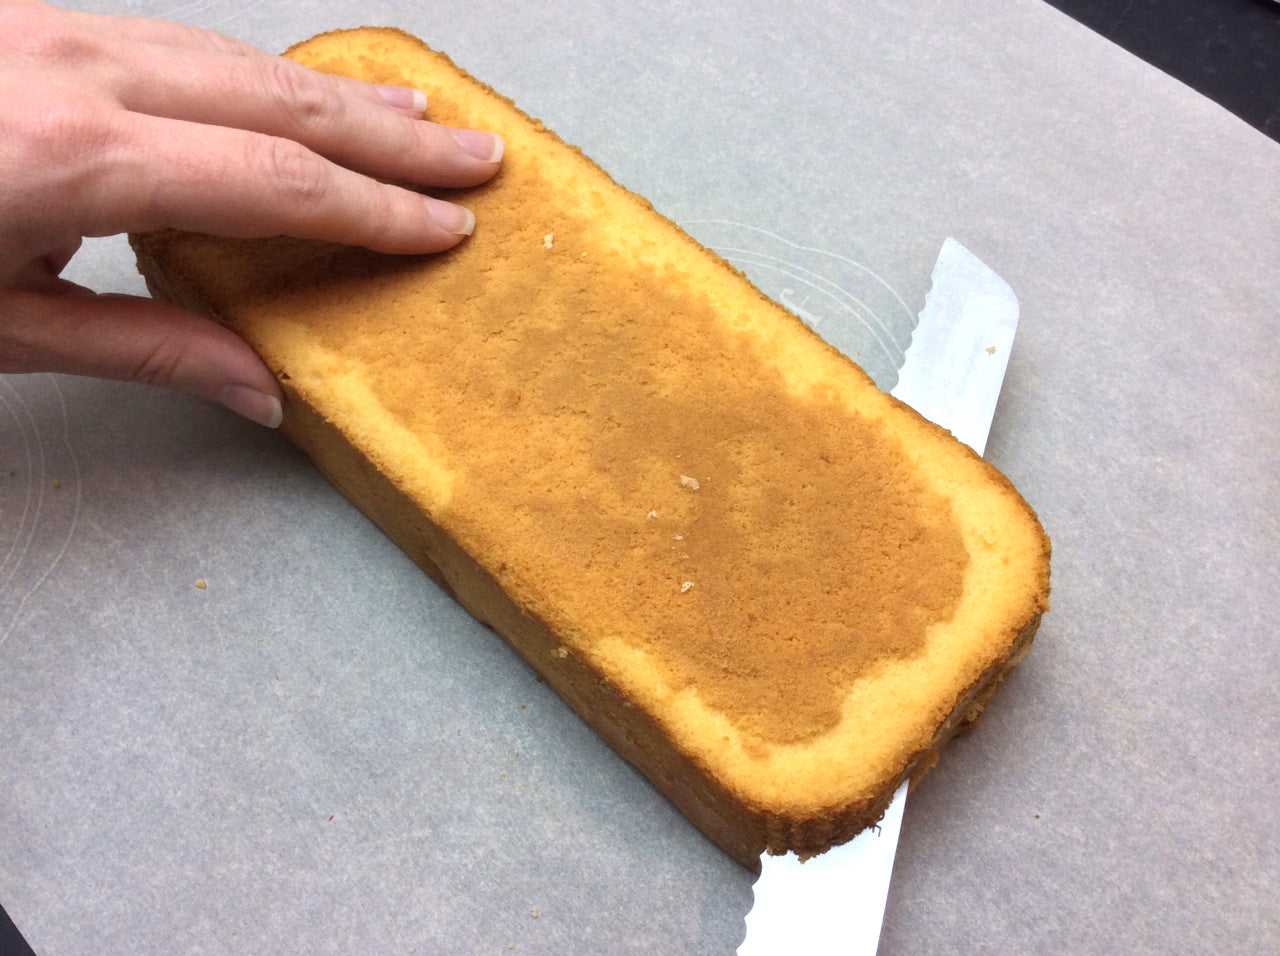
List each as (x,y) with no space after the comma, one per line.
(116,124)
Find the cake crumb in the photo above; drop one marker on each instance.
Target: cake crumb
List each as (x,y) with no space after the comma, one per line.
(687,586)
(690,482)
(202,584)
(678,537)
(991,350)
(651,515)
(534,912)
(548,240)
(561,652)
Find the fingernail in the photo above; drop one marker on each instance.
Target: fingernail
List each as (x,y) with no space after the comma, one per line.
(486,146)
(254,405)
(404,98)
(449,216)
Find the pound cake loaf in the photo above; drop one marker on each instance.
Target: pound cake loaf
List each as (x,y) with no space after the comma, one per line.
(773,588)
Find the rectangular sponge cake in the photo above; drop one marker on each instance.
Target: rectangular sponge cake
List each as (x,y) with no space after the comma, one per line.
(774,589)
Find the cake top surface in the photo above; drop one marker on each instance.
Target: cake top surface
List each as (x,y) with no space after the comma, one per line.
(632,464)
(721,513)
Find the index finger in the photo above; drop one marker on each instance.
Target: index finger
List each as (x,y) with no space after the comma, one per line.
(161,31)
(342,119)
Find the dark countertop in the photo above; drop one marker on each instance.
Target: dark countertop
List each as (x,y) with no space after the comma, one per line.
(1229,50)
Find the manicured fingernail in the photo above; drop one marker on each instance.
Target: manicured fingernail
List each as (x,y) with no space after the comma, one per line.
(404,98)
(254,405)
(449,216)
(481,145)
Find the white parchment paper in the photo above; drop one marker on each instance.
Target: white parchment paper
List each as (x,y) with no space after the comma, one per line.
(318,752)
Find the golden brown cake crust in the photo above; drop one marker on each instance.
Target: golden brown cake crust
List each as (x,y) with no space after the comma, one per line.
(775,590)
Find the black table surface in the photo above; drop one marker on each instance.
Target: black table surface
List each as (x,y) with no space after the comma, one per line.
(1228,50)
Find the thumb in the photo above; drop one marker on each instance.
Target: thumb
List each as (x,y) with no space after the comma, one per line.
(135,339)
